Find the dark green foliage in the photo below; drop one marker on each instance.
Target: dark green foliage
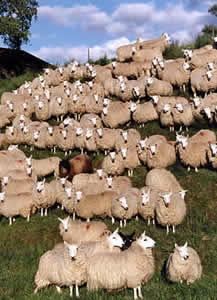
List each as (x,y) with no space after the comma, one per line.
(202,40)
(173,51)
(15,21)
(102,61)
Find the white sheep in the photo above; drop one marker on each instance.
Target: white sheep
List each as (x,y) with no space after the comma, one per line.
(128,269)
(113,164)
(143,113)
(130,159)
(12,205)
(106,139)
(161,155)
(147,203)
(74,232)
(170,210)
(115,114)
(72,261)
(155,86)
(46,166)
(182,115)
(125,205)
(183,265)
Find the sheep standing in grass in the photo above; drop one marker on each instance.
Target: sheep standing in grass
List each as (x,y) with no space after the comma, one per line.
(100,205)
(106,139)
(115,114)
(128,269)
(65,264)
(143,113)
(74,232)
(22,204)
(155,86)
(125,205)
(130,159)
(166,117)
(113,164)
(147,203)
(128,139)
(161,156)
(170,210)
(162,179)
(184,265)
(182,115)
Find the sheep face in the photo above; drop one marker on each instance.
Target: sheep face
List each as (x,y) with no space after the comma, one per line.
(93,121)
(196,102)
(78,196)
(109,181)
(36,135)
(125,135)
(47,94)
(24,106)
(179,107)
(145,241)
(166,108)
(99,131)
(99,173)
(145,197)
(89,133)
(40,186)
(106,102)
(112,156)
(207,112)
(132,107)
(72,250)
(123,202)
(124,152)
(50,130)
(183,251)
(142,143)
(213,148)
(96,98)
(166,198)
(115,239)
(65,223)
(63,181)
(2,197)
(210,66)
(79,131)
(209,75)
(68,192)
(29,161)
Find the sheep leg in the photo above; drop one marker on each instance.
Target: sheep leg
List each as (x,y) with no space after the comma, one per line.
(180,128)
(113,220)
(121,225)
(76,291)
(153,221)
(148,221)
(62,207)
(45,212)
(125,222)
(140,292)
(88,220)
(28,218)
(13,220)
(73,216)
(168,229)
(135,293)
(70,290)
(196,169)
(10,221)
(137,218)
(42,213)
(189,168)
(65,153)
(58,289)
(174,229)
(184,88)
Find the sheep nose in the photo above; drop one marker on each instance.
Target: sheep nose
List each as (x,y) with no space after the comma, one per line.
(66,230)
(186,257)
(126,208)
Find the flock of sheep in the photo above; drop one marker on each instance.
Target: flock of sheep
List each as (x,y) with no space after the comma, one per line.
(89,120)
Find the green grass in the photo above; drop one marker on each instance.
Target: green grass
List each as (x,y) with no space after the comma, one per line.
(7,85)
(22,244)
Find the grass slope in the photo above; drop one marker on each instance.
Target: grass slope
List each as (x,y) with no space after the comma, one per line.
(22,244)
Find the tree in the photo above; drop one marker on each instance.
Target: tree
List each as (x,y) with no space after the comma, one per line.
(213,10)
(15,21)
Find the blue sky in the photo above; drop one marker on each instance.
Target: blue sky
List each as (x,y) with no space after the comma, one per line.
(66,29)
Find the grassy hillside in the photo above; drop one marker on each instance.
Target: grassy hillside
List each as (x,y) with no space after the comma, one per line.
(22,244)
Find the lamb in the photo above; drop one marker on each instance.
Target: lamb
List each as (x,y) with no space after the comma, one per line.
(77,106)
(183,265)
(42,109)
(125,52)
(94,103)
(131,89)
(147,203)
(161,156)
(159,102)
(90,121)
(162,179)
(125,205)
(155,86)
(89,206)
(74,232)
(71,263)
(79,164)
(143,113)
(58,107)
(65,139)
(90,140)
(12,205)
(114,271)
(203,81)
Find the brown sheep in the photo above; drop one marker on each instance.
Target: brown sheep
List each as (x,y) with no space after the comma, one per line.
(79,164)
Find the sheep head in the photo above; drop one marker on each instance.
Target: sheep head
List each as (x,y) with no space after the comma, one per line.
(182,251)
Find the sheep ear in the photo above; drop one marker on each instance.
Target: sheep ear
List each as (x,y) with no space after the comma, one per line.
(186,244)
(176,246)
(116,230)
